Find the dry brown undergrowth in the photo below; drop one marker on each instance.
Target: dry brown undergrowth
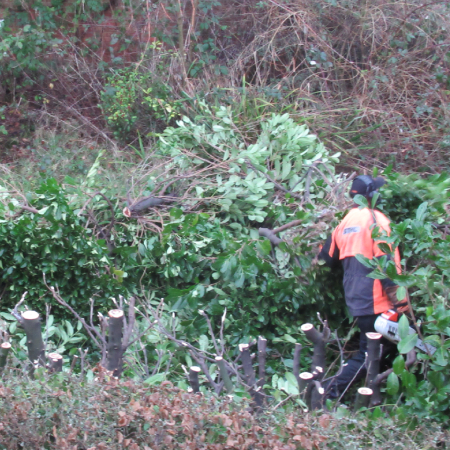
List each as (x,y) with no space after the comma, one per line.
(109,414)
(116,415)
(371,78)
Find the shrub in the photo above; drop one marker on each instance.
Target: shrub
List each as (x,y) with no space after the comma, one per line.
(135,102)
(62,412)
(50,238)
(423,239)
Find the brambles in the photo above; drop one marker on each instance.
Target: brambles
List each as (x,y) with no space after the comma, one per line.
(365,78)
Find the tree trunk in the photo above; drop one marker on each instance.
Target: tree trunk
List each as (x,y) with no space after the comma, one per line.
(317,395)
(180,20)
(146,203)
(269,234)
(296,364)
(318,373)
(262,346)
(4,350)
(304,380)
(193,28)
(314,394)
(115,350)
(31,323)
(55,362)
(193,378)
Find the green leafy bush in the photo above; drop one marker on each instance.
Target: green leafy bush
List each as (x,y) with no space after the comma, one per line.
(201,264)
(134,102)
(50,239)
(425,247)
(23,51)
(213,260)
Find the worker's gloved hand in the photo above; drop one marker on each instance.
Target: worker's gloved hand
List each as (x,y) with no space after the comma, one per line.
(401,306)
(404,309)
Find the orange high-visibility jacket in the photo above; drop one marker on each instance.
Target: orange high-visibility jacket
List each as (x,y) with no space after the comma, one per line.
(353,236)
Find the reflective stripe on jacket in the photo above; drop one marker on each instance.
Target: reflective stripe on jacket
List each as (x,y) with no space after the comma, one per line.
(353,236)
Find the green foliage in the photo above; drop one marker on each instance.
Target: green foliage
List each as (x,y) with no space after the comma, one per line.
(3,129)
(211,261)
(135,102)
(403,195)
(38,39)
(427,394)
(201,264)
(283,152)
(423,239)
(52,241)
(23,51)
(214,261)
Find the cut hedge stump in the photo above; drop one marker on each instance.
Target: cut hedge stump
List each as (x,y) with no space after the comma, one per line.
(55,362)
(193,378)
(31,323)
(115,350)
(363,398)
(5,347)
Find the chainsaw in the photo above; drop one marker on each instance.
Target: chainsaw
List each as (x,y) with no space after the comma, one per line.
(387,325)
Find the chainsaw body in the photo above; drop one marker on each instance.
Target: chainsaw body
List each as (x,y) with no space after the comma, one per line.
(387,325)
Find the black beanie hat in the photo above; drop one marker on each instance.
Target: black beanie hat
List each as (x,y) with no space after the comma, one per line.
(365,184)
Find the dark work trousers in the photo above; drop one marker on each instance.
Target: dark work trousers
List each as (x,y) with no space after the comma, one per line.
(355,369)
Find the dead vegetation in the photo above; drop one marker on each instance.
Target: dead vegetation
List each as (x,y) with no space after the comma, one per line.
(112,414)
(370,78)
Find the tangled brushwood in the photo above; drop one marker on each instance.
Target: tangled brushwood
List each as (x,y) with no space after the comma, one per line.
(371,79)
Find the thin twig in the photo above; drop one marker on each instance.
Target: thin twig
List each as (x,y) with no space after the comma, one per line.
(89,329)
(15,311)
(203,313)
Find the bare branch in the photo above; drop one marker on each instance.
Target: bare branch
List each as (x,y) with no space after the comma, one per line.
(15,311)
(89,329)
(203,313)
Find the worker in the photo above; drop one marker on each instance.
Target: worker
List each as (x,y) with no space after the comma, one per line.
(366,298)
